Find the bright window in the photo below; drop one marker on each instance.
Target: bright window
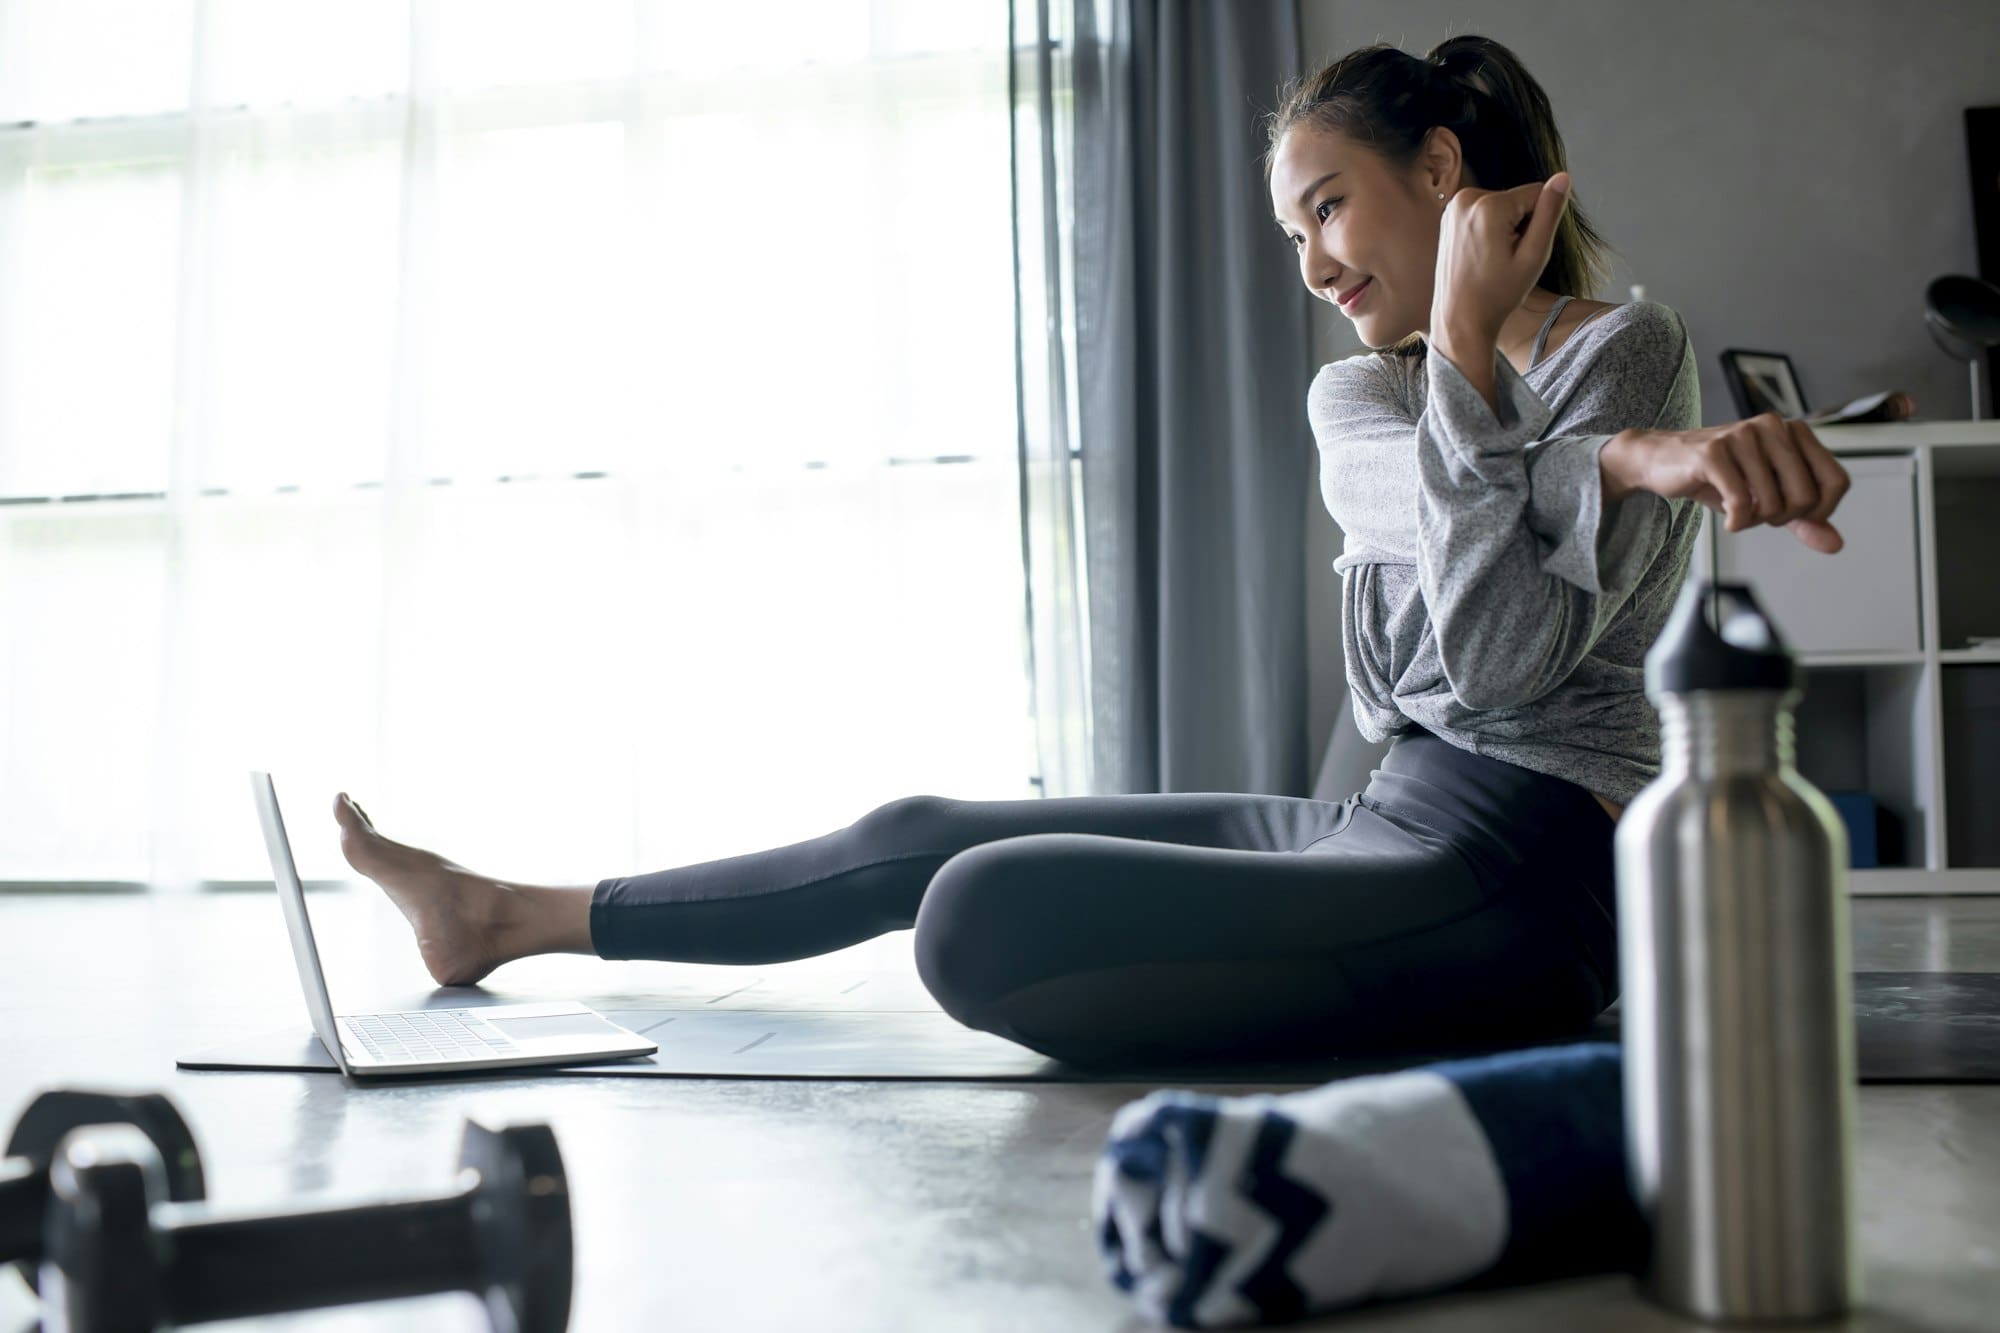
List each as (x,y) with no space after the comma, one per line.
(583,431)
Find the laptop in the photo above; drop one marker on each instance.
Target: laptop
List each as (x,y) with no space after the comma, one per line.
(423,1041)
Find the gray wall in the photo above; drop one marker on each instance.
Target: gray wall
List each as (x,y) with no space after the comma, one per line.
(1788,175)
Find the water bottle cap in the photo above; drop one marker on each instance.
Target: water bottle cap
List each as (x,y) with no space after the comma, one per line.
(1743,651)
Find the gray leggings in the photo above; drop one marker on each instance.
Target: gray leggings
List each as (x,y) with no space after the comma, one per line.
(1456,900)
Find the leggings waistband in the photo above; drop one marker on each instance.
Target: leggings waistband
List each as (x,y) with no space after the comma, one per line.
(1503,813)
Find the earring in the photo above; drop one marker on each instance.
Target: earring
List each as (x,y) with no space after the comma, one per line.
(1440,196)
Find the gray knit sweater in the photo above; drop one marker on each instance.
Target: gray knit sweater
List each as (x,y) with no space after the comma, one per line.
(1487,593)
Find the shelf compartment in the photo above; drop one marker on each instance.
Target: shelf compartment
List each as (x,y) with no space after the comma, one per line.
(1970,706)
(1853,734)
(1863,598)
(1965,495)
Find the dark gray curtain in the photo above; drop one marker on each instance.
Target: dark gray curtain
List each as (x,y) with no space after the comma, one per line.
(1190,356)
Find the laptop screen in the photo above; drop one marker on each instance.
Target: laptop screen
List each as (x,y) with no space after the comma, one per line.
(292,895)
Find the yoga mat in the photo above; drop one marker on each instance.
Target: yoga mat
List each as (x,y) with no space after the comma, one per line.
(1927,1027)
(858,1024)
(1910,1027)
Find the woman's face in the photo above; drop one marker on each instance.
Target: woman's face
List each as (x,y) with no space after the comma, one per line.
(1351,220)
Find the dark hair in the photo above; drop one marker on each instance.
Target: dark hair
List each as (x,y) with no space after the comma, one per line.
(1388,100)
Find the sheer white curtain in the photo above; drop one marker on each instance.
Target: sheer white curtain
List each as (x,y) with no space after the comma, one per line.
(583,431)
(1054,527)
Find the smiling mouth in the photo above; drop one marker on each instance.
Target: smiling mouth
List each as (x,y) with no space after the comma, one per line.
(1355,295)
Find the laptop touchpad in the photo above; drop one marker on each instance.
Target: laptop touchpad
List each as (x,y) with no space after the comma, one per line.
(557,1025)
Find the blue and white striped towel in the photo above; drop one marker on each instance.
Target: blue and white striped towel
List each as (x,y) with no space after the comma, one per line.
(1216,1211)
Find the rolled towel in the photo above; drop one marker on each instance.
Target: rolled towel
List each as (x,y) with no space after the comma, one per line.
(1215,1211)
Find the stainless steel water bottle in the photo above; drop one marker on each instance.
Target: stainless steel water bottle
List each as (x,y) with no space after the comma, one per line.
(1737,1009)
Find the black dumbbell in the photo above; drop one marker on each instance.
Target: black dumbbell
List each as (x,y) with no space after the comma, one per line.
(120,1257)
(24,1171)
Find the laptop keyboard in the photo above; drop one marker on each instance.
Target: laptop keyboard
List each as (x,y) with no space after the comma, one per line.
(428,1034)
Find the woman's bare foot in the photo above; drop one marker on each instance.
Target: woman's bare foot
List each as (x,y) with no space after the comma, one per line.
(466,924)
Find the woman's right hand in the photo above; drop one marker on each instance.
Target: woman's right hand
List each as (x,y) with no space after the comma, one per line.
(1762,470)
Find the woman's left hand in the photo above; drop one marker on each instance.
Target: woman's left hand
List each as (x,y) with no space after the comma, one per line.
(1492,248)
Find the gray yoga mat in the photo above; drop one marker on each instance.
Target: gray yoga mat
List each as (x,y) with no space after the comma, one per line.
(838,1024)
(1922,1027)
(1927,1027)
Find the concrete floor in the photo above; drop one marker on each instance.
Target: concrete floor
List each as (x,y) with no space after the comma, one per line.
(716,1204)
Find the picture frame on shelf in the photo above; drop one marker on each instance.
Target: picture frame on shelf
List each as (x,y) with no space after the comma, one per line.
(1763,382)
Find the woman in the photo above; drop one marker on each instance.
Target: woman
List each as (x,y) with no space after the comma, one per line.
(1497,602)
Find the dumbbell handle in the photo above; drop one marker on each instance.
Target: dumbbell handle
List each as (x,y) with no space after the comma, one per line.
(126,1259)
(24,1197)
(234,1268)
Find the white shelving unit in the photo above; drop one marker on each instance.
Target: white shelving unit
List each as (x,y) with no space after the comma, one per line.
(1896,702)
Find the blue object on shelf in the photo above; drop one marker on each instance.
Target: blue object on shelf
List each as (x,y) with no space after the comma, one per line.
(1857,811)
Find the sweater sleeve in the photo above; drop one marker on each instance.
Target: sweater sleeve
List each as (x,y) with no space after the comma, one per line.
(1650,361)
(1521,571)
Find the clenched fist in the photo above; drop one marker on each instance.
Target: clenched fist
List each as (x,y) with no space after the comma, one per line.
(1492,246)
(1763,470)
